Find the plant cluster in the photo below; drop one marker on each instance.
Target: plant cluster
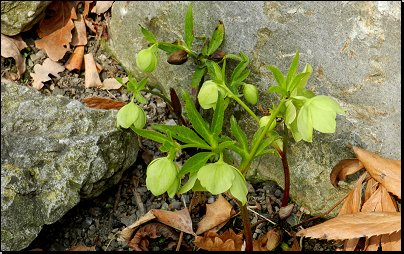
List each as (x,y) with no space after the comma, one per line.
(299,110)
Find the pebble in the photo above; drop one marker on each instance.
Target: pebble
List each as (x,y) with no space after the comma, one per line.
(87,222)
(176,205)
(211,200)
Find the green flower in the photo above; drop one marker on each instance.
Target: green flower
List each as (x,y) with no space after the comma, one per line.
(264,121)
(319,113)
(250,93)
(220,177)
(161,176)
(131,114)
(208,94)
(146,60)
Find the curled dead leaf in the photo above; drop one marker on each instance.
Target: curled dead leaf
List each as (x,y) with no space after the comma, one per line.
(267,242)
(112,83)
(103,103)
(180,220)
(11,47)
(102,6)
(127,233)
(355,225)
(76,59)
(385,171)
(152,230)
(92,79)
(42,72)
(79,32)
(211,241)
(343,168)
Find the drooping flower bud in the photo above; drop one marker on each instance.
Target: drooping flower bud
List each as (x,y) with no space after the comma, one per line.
(178,57)
(208,94)
(161,176)
(250,93)
(146,60)
(217,55)
(131,114)
(264,121)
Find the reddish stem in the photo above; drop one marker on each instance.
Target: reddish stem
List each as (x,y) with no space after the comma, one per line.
(285,167)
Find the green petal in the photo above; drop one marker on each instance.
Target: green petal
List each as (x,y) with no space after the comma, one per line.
(174,188)
(239,187)
(160,175)
(327,103)
(191,182)
(323,121)
(208,94)
(127,115)
(216,177)
(290,113)
(304,122)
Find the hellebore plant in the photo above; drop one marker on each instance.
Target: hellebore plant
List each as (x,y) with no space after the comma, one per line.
(300,111)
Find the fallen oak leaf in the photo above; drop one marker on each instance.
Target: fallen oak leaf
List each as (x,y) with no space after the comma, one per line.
(211,241)
(92,79)
(355,225)
(98,29)
(352,203)
(267,242)
(103,103)
(11,47)
(79,32)
(343,168)
(180,220)
(42,72)
(127,233)
(76,59)
(55,32)
(385,171)
(216,213)
(152,230)
(112,83)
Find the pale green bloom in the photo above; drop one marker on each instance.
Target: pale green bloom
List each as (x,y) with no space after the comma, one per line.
(131,114)
(208,94)
(146,60)
(250,93)
(161,176)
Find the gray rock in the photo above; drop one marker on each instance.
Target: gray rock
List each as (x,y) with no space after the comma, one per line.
(353,47)
(20,16)
(54,150)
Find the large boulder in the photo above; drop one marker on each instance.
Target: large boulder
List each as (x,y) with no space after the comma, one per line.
(54,151)
(20,16)
(353,47)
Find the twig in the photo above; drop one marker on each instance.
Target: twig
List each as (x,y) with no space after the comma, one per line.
(251,210)
(136,194)
(189,210)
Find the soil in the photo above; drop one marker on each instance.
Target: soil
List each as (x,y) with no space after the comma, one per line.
(97,222)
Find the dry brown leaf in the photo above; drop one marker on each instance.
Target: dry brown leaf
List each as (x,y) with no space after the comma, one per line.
(127,233)
(380,201)
(42,72)
(152,230)
(103,103)
(79,32)
(101,7)
(385,171)
(98,29)
(352,203)
(82,248)
(211,241)
(56,32)
(112,83)
(391,242)
(267,242)
(371,187)
(216,213)
(344,168)
(86,8)
(355,225)
(11,47)
(76,59)
(180,220)
(92,79)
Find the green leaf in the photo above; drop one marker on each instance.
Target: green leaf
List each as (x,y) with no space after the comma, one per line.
(278,89)
(153,135)
(264,145)
(189,27)
(217,38)
(234,56)
(292,69)
(181,133)
(142,83)
(218,115)
(139,97)
(198,75)
(240,78)
(240,151)
(297,79)
(240,67)
(148,36)
(215,72)
(302,83)
(169,48)
(238,133)
(194,163)
(280,79)
(223,145)
(196,119)
(266,151)
(239,188)
(256,135)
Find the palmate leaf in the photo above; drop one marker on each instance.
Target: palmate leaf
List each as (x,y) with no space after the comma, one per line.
(189,27)
(148,36)
(153,135)
(195,163)
(292,70)
(280,79)
(217,38)
(239,68)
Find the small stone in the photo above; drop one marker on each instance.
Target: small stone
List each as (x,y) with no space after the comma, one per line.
(87,222)
(186,198)
(211,200)
(176,205)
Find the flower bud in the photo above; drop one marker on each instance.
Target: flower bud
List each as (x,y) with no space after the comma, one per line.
(208,94)
(264,120)
(131,114)
(178,57)
(250,93)
(146,60)
(161,176)
(217,55)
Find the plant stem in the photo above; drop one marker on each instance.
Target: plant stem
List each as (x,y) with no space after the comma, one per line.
(285,166)
(247,227)
(242,104)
